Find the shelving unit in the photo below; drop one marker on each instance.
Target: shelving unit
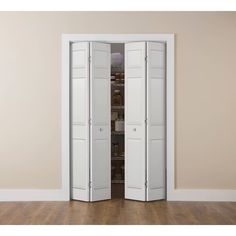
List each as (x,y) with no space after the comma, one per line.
(117,137)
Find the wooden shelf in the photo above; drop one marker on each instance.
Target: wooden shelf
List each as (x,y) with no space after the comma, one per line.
(117,132)
(117,181)
(117,85)
(118,158)
(117,107)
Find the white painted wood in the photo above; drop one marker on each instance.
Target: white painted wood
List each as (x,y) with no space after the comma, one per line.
(170,99)
(218,195)
(117,38)
(80,120)
(135,159)
(100,109)
(65,187)
(15,195)
(170,115)
(155,121)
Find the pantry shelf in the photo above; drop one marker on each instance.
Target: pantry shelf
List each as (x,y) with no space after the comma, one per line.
(117,181)
(117,133)
(117,107)
(119,158)
(117,85)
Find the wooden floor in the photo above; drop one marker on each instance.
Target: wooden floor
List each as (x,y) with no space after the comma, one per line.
(118,211)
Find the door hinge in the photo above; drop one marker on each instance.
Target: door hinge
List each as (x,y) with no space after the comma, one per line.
(90,184)
(146,58)
(146,184)
(89,59)
(90,121)
(146,121)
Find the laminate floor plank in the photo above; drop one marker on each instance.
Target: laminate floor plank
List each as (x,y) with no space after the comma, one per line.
(117,212)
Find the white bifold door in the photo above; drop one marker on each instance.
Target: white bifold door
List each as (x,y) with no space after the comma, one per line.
(91,167)
(145,121)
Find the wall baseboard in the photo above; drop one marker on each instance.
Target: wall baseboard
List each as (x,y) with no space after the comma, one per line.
(10,195)
(217,195)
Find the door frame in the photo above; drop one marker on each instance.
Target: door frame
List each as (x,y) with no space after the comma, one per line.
(67,39)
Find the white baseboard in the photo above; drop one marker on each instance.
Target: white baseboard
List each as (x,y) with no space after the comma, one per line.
(10,195)
(219,195)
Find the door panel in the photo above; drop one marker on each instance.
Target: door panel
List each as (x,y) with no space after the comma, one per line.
(135,163)
(155,121)
(134,100)
(100,109)
(80,124)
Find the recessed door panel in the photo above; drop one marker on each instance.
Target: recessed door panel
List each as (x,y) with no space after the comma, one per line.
(157,101)
(134,100)
(135,164)
(101,175)
(79,106)
(79,165)
(101,102)
(157,165)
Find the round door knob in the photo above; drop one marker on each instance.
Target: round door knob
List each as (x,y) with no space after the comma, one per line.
(134,129)
(100,129)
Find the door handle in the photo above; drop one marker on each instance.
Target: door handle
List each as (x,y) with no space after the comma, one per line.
(101,129)
(134,129)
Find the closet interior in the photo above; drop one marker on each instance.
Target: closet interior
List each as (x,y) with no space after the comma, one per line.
(117,120)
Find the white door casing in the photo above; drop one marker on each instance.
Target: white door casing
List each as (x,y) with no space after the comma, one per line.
(100,125)
(156,121)
(64,193)
(80,121)
(135,160)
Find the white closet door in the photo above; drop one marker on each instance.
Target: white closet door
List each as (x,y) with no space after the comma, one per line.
(80,121)
(155,121)
(135,163)
(100,108)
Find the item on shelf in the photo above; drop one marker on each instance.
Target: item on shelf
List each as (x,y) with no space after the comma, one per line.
(114,115)
(118,174)
(117,61)
(122,171)
(113,78)
(122,148)
(122,78)
(115,149)
(112,125)
(113,172)
(117,98)
(119,125)
(122,153)
(117,76)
